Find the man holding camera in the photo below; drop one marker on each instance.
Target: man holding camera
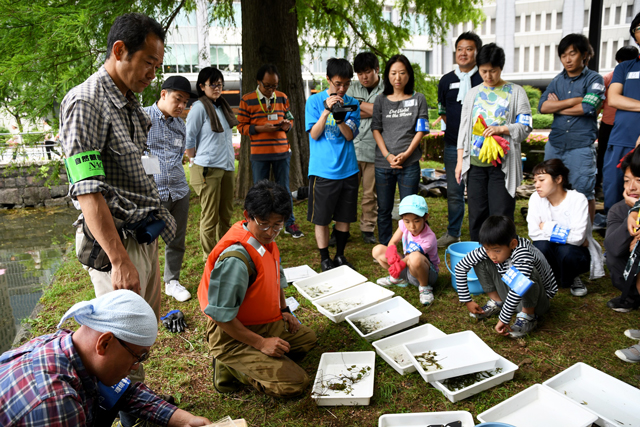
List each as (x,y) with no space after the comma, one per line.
(332,119)
(264,116)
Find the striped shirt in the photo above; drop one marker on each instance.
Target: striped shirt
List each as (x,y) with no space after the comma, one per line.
(525,257)
(44,383)
(96,116)
(166,139)
(266,145)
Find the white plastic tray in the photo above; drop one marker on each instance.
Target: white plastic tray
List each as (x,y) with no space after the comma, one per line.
(616,403)
(358,298)
(392,349)
(458,354)
(508,370)
(300,272)
(332,365)
(425,418)
(391,316)
(539,406)
(327,283)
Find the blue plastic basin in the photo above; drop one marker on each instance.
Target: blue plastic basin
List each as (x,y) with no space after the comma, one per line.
(456,252)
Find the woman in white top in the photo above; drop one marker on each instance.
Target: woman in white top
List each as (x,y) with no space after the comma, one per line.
(560,228)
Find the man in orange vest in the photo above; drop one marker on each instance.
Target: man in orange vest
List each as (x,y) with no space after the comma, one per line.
(252,334)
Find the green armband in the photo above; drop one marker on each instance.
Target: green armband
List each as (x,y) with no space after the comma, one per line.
(441,110)
(288,115)
(592,99)
(84,165)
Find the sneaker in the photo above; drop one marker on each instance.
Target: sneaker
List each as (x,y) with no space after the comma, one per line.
(326,264)
(294,231)
(634,334)
(578,289)
(446,239)
(369,237)
(490,308)
(390,280)
(523,325)
(616,304)
(426,294)
(599,222)
(176,290)
(631,354)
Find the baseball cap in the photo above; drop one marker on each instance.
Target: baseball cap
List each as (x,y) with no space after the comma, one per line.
(413,204)
(179,83)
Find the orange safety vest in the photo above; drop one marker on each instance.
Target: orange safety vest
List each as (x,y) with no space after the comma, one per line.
(261,302)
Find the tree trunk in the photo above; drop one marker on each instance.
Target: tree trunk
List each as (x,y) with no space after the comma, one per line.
(270,35)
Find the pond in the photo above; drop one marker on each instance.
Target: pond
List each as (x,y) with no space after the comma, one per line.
(32,245)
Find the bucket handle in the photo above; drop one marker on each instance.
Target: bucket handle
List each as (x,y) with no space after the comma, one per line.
(446,252)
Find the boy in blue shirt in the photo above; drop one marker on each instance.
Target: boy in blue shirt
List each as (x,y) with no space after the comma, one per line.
(333,167)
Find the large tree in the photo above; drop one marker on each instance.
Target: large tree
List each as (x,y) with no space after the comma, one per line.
(49,46)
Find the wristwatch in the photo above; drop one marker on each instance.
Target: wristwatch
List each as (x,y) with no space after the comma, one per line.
(286,310)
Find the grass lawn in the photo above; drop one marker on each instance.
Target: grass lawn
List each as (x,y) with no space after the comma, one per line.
(575,330)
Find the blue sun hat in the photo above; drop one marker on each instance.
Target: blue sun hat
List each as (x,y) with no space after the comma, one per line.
(414,204)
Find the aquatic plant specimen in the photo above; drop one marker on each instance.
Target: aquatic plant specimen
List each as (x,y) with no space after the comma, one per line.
(340,306)
(371,323)
(464,381)
(343,382)
(428,361)
(315,291)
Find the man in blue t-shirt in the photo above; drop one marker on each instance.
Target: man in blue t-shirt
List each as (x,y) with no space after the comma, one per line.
(333,167)
(624,94)
(574,97)
(452,89)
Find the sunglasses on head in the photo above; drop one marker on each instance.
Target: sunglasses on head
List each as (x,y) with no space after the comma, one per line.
(452,424)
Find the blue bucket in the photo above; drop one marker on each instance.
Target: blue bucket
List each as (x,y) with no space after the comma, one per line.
(494,425)
(456,252)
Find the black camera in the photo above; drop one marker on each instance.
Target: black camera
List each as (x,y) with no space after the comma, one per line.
(339,110)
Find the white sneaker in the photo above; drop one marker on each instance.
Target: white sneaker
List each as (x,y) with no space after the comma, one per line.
(446,239)
(176,290)
(426,294)
(578,289)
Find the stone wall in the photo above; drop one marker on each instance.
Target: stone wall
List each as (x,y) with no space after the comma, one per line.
(33,185)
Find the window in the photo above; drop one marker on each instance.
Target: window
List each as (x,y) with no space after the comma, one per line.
(547,51)
(527,23)
(493,25)
(419,57)
(226,58)
(538,21)
(181,58)
(386,13)
(484,28)
(537,58)
(518,24)
(547,24)
(526,59)
(607,15)
(559,21)
(185,19)
(557,65)
(516,60)
(320,57)
(618,13)
(629,14)
(586,19)
(417,24)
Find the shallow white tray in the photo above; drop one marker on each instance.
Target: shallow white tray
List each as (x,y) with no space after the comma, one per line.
(392,349)
(332,365)
(298,273)
(391,316)
(425,418)
(539,406)
(458,354)
(357,298)
(329,282)
(615,402)
(508,370)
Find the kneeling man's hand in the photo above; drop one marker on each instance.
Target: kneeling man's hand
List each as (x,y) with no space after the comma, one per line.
(274,347)
(292,321)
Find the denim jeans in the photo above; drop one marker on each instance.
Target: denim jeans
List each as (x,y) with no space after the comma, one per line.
(566,261)
(261,170)
(455,191)
(407,179)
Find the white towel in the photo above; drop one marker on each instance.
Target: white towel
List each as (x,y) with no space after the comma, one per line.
(465,81)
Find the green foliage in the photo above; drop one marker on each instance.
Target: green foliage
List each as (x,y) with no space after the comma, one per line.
(542,121)
(534,95)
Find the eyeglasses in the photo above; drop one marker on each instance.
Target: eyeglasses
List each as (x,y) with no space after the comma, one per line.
(341,85)
(139,358)
(269,87)
(216,86)
(636,29)
(264,227)
(453,424)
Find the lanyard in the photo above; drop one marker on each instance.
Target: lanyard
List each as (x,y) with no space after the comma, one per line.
(273,104)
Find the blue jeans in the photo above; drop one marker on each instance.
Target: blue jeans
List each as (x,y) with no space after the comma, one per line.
(612,177)
(261,170)
(566,261)
(455,191)
(407,179)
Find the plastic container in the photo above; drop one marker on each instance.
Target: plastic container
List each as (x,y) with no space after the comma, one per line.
(494,425)
(389,316)
(457,251)
(539,406)
(329,282)
(392,349)
(332,366)
(508,371)
(616,403)
(425,418)
(458,354)
(364,295)
(428,172)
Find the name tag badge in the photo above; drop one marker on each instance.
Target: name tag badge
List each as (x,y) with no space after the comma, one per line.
(151,164)
(633,75)
(409,103)
(177,142)
(272,117)
(455,85)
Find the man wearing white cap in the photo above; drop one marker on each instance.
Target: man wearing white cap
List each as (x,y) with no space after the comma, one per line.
(79,378)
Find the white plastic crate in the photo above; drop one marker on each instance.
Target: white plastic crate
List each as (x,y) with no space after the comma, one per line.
(508,370)
(615,402)
(458,354)
(389,316)
(332,366)
(329,282)
(422,419)
(392,349)
(539,406)
(352,300)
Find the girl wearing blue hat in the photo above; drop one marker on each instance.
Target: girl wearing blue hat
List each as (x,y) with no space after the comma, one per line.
(421,261)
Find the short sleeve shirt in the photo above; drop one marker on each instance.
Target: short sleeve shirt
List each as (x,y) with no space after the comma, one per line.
(449,106)
(426,240)
(214,149)
(364,143)
(626,127)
